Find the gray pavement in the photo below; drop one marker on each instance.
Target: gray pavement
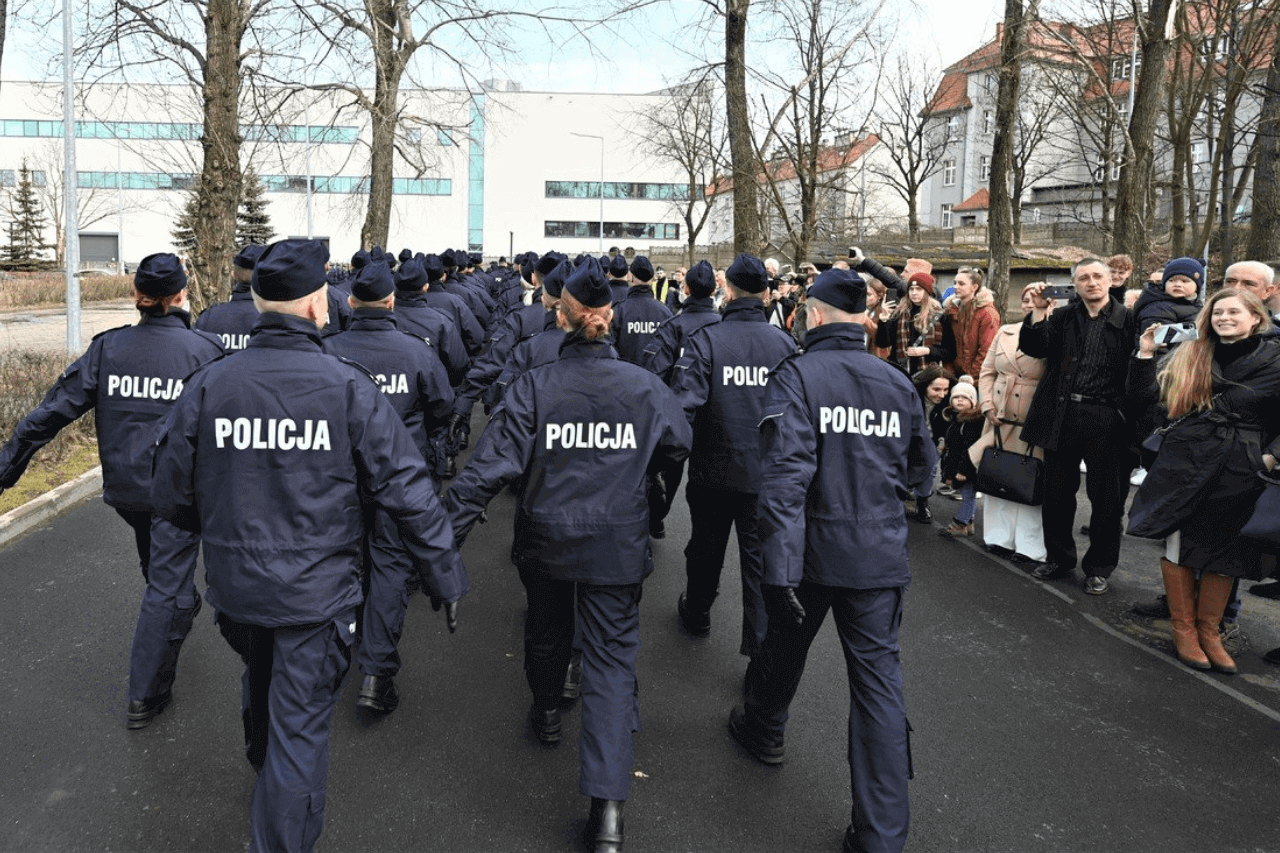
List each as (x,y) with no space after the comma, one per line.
(1044,720)
(46,328)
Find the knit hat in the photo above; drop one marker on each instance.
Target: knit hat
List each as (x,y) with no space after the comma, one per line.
(923,279)
(915,265)
(160,275)
(290,269)
(964,388)
(1189,267)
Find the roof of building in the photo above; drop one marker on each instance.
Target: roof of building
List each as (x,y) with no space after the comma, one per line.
(830,158)
(981,200)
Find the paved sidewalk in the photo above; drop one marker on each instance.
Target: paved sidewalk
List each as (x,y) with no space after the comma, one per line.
(46,328)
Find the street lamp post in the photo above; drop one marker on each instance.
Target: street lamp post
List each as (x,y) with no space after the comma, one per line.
(601,141)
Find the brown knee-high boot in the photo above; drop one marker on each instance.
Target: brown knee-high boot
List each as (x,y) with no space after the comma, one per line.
(1215,590)
(1180,586)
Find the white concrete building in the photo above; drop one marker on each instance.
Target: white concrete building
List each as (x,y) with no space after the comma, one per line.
(499,172)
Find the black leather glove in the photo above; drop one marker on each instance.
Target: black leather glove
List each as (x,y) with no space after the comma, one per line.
(450,611)
(781,603)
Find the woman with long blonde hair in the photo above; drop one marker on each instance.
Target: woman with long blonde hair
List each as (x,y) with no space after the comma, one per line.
(1221,394)
(917,332)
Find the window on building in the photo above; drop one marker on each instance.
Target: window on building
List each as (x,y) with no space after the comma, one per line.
(613,230)
(618,190)
(1125,67)
(988,121)
(177,131)
(949,173)
(953,128)
(444,136)
(946,215)
(984,168)
(413,135)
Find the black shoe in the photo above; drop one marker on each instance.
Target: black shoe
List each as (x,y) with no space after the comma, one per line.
(378,693)
(1266,590)
(1157,609)
(763,748)
(603,832)
(1272,656)
(922,513)
(1000,551)
(697,623)
(850,844)
(657,530)
(545,724)
(1052,572)
(141,714)
(572,680)
(451,470)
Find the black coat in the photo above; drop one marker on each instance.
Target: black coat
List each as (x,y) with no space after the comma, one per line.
(1156,306)
(1059,341)
(1204,481)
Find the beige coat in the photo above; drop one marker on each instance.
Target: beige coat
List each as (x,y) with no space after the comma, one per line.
(1006,384)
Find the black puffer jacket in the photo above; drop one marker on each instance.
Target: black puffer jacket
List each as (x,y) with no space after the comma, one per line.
(1204,481)
(1156,306)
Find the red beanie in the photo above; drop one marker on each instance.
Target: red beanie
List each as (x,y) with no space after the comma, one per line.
(923,279)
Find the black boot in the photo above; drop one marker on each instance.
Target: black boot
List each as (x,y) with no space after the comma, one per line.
(604,826)
(696,622)
(922,513)
(545,724)
(572,680)
(378,693)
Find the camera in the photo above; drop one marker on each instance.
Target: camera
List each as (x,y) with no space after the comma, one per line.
(1058,291)
(1176,333)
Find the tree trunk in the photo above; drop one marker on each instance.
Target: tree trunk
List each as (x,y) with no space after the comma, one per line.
(1137,173)
(1264,232)
(219,195)
(913,219)
(1000,214)
(388,68)
(746,222)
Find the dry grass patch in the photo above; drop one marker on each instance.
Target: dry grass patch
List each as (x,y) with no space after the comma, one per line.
(49,289)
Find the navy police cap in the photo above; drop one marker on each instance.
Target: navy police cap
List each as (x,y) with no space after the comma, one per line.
(701,279)
(553,282)
(642,269)
(618,267)
(160,275)
(588,285)
(248,256)
(747,274)
(290,269)
(373,283)
(840,289)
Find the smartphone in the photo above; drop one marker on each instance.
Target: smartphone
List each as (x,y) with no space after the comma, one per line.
(1176,333)
(1059,291)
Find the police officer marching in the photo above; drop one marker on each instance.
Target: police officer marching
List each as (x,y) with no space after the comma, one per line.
(269,454)
(636,320)
(844,440)
(132,375)
(232,320)
(721,384)
(582,432)
(408,371)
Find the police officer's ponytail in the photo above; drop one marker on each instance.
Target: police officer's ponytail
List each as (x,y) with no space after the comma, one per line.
(592,322)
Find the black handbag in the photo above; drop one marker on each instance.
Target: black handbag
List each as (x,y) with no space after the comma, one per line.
(1263,527)
(1011,476)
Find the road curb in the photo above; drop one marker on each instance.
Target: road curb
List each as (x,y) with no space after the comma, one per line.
(18,522)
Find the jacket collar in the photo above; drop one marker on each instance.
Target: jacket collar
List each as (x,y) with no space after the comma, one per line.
(1113,312)
(836,336)
(699,305)
(575,345)
(241,291)
(175,317)
(747,309)
(411,297)
(642,291)
(284,331)
(372,319)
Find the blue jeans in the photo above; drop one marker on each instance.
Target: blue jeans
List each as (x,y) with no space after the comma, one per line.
(968,502)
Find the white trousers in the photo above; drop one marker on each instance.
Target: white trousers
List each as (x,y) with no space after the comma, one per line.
(1014,526)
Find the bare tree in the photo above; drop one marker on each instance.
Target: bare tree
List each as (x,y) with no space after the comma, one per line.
(1264,231)
(93,204)
(805,174)
(914,150)
(746,222)
(1001,213)
(689,132)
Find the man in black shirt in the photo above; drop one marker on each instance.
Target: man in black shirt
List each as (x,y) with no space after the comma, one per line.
(1075,416)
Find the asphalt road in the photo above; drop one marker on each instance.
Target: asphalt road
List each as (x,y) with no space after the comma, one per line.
(46,328)
(1044,720)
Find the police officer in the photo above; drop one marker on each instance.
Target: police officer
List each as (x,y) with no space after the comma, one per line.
(415,315)
(619,277)
(544,347)
(132,375)
(475,297)
(844,440)
(269,454)
(411,375)
(720,383)
(232,320)
(636,320)
(450,304)
(582,431)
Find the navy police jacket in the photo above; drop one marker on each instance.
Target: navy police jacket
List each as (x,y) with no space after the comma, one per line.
(636,321)
(232,320)
(843,440)
(407,370)
(521,324)
(456,310)
(721,383)
(542,348)
(415,316)
(131,375)
(270,455)
(667,346)
(339,311)
(583,431)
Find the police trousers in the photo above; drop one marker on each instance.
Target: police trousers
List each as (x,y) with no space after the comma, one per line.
(387,569)
(169,606)
(292,678)
(712,513)
(608,618)
(867,621)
